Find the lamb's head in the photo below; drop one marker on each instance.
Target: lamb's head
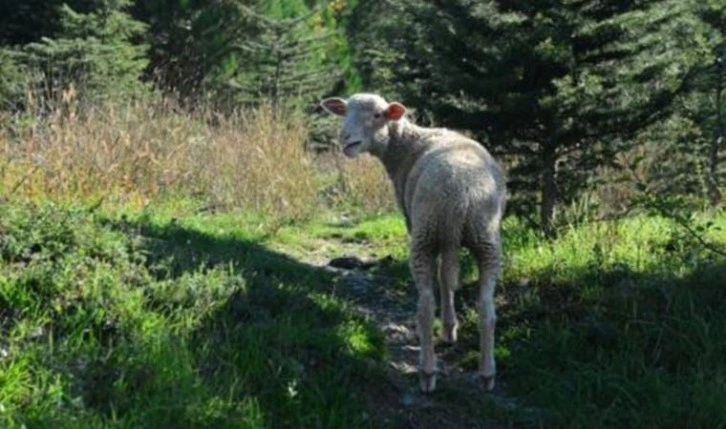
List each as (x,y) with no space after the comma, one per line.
(365,127)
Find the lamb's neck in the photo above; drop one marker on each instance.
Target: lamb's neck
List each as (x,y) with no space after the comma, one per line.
(406,145)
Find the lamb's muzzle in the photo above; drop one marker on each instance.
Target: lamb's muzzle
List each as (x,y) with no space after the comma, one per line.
(452,194)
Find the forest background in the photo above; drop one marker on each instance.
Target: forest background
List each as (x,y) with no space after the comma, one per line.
(579,99)
(171,195)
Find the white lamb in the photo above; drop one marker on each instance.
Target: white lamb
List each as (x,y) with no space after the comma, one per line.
(452,194)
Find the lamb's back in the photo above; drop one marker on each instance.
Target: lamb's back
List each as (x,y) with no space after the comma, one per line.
(454,181)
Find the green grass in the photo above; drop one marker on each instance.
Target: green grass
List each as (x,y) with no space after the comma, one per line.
(144,322)
(614,324)
(618,325)
(165,318)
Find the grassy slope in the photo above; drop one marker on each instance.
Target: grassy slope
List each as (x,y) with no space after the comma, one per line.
(142,323)
(148,321)
(618,325)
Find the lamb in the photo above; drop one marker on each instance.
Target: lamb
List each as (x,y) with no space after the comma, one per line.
(452,194)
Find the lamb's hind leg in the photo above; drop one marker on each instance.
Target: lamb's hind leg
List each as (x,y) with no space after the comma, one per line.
(488,255)
(448,283)
(422,264)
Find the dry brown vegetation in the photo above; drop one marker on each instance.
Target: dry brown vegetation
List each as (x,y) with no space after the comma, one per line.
(148,152)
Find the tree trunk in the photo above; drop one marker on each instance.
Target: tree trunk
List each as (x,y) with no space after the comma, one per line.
(549,190)
(714,193)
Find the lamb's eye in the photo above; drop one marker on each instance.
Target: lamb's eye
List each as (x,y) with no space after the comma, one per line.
(377,115)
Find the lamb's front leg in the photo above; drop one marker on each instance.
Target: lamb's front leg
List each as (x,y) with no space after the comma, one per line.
(422,265)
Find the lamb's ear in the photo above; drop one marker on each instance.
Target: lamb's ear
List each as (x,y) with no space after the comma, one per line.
(335,105)
(395,111)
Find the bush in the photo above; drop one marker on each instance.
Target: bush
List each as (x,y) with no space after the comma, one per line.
(94,54)
(12,76)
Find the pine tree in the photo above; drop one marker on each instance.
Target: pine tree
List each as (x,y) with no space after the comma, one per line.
(27,21)
(12,78)
(557,87)
(714,14)
(679,156)
(95,52)
(236,52)
(191,42)
(286,61)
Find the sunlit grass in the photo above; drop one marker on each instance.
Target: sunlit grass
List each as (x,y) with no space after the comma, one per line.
(154,272)
(612,324)
(129,322)
(138,154)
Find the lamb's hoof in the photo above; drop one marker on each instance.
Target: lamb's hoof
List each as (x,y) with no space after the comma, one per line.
(428,381)
(487,381)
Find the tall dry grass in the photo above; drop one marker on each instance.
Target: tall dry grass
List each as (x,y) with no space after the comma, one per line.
(141,153)
(363,184)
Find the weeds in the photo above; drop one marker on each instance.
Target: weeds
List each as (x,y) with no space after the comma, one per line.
(144,152)
(361,184)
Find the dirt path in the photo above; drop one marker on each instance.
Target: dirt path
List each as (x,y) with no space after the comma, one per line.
(459,402)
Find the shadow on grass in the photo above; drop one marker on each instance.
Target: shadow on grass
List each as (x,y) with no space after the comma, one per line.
(216,331)
(610,346)
(252,339)
(602,345)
